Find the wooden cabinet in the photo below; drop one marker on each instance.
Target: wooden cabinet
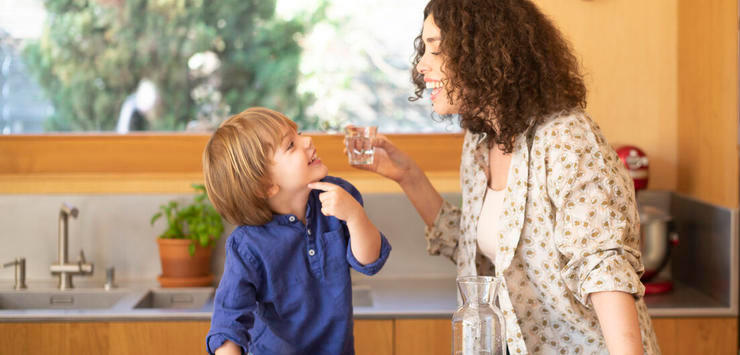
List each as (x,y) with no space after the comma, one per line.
(96,338)
(676,336)
(373,336)
(148,337)
(423,336)
(54,338)
(683,336)
(130,338)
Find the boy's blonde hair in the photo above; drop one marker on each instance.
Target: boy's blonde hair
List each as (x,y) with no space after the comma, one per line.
(235,164)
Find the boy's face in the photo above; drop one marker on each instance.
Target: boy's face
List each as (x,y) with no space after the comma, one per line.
(296,163)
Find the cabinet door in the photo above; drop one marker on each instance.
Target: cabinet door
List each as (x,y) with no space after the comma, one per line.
(63,338)
(153,337)
(679,336)
(373,336)
(423,336)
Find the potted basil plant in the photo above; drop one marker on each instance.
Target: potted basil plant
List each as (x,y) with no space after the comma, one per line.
(186,245)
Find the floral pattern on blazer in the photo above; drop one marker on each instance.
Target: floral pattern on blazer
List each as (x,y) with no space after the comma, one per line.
(569,227)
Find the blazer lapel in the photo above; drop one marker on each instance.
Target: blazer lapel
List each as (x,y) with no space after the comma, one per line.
(511,220)
(474,189)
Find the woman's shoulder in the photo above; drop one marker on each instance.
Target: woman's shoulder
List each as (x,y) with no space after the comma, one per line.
(573,127)
(565,119)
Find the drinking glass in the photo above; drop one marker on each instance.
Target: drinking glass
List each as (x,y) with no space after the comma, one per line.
(359,143)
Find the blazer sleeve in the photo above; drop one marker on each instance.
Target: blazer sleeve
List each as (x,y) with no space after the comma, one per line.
(442,236)
(596,220)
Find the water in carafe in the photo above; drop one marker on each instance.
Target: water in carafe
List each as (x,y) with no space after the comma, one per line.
(478,326)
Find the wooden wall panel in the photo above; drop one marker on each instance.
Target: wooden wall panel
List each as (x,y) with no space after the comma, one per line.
(181,153)
(628,52)
(151,163)
(708,100)
(661,75)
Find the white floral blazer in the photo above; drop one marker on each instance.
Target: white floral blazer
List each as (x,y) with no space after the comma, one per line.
(569,227)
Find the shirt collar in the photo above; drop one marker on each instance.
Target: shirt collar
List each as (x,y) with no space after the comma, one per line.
(285,219)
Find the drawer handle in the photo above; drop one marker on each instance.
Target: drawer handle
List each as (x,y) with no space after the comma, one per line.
(62,299)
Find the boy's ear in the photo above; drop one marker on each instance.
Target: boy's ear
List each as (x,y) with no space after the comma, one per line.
(272,190)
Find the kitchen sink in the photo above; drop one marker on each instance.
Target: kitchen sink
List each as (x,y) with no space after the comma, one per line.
(121,300)
(175,298)
(55,299)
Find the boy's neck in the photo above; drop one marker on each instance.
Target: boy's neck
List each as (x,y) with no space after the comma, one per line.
(286,202)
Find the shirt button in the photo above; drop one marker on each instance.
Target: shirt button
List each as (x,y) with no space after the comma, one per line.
(291,218)
(311,252)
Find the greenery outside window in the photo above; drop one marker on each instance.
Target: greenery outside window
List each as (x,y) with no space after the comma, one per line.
(184,65)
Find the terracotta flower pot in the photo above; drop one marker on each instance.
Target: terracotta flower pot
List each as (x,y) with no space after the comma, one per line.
(179,268)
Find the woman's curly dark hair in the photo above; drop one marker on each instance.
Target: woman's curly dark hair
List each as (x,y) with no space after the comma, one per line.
(507,60)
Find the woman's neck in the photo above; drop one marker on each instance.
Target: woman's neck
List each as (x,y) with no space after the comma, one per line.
(498,168)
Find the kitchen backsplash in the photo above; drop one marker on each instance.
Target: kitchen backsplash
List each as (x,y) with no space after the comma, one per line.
(114,230)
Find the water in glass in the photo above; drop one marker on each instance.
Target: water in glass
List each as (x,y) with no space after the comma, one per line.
(359,144)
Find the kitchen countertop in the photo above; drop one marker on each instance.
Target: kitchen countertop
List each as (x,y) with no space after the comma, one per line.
(437,298)
(391,298)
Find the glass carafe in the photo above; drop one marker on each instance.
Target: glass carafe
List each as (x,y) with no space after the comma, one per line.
(478,326)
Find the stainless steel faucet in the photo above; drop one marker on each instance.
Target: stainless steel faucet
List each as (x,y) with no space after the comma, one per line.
(20,272)
(62,268)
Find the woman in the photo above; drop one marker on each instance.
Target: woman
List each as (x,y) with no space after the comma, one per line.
(547,204)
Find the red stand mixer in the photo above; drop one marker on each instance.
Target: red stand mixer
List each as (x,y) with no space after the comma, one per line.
(657,229)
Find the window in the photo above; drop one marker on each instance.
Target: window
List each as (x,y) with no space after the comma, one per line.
(166,65)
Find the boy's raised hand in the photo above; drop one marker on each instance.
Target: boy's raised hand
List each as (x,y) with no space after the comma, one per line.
(337,202)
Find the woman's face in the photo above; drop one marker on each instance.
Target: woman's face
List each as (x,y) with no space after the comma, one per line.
(430,66)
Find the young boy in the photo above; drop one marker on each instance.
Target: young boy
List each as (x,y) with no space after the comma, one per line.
(286,285)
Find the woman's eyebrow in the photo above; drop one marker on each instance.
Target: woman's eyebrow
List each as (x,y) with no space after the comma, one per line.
(430,40)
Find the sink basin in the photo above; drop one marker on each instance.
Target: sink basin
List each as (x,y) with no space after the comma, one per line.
(361,296)
(54,299)
(195,298)
(176,298)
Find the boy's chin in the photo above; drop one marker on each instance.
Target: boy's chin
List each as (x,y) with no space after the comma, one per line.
(324,172)
(318,178)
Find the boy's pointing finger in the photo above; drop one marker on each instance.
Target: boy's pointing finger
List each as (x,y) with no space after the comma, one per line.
(323,186)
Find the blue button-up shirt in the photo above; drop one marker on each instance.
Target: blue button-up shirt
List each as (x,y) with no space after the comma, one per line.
(286,286)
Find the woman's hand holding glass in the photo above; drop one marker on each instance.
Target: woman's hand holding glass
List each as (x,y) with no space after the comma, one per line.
(389,161)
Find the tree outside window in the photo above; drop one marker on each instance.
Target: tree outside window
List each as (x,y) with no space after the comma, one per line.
(185,65)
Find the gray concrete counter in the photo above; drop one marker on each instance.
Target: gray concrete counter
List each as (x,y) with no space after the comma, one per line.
(390,298)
